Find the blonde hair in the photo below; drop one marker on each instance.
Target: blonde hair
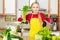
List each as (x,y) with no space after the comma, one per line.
(34,3)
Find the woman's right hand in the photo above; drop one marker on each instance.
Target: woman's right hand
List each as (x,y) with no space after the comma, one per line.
(20,19)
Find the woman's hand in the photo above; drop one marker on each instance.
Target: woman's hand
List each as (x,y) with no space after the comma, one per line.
(48,25)
(44,23)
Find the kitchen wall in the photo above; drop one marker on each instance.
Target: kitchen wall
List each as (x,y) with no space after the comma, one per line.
(43,5)
(21,3)
(51,6)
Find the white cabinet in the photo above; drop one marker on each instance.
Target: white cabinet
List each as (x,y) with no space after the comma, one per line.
(54,7)
(10,7)
(1,6)
(43,4)
(50,5)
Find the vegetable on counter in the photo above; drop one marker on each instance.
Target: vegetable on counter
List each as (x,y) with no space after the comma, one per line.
(45,32)
(46,35)
(9,36)
(5,32)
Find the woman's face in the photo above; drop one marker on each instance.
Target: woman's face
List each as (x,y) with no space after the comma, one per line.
(35,8)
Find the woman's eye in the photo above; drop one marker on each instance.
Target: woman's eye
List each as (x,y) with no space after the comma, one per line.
(36,7)
(33,7)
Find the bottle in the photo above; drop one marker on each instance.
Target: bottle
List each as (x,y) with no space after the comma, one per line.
(55,26)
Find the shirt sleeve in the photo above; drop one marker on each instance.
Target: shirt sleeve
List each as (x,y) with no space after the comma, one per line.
(44,18)
(49,20)
(28,17)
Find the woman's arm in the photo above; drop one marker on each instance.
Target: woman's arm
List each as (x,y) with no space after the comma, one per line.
(45,19)
(28,17)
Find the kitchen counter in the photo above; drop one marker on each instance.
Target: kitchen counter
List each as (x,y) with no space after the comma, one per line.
(57,33)
(1,29)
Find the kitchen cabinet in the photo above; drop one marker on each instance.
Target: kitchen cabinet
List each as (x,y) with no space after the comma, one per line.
(43,4)
(10,7)
(1,6)
(54,7)
(50,5)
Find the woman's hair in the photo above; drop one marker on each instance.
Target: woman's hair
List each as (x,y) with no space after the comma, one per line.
(34,3)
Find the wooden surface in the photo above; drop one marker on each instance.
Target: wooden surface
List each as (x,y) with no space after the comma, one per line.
(59,16)
(4,9)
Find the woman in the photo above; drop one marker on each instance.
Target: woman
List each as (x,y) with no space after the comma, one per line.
(35,19)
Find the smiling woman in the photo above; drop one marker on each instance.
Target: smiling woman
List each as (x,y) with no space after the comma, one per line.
(35,19)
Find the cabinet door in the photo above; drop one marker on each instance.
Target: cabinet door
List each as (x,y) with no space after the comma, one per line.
(10,7)
(43,4)
(59,17)
(1,6)
(54,7)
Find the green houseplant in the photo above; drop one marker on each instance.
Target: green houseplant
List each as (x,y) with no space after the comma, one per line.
(25,10)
